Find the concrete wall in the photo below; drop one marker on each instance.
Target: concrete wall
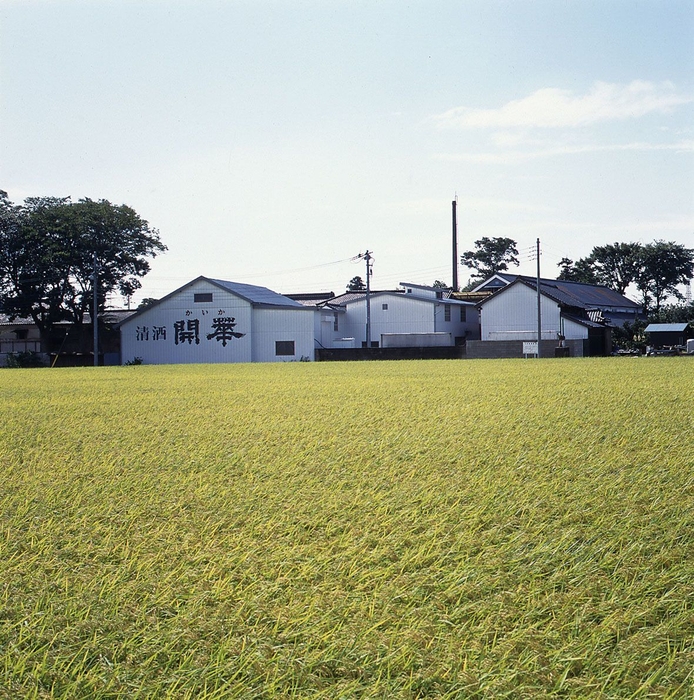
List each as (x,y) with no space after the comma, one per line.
(497,349)
(415,340)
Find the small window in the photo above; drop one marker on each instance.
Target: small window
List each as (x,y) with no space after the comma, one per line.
(463,314)
(446,312)
(202,297)
(336,323)
(284,348)
(409,291)
(384,307)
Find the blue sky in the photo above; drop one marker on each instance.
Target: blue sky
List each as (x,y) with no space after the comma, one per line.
(271,141)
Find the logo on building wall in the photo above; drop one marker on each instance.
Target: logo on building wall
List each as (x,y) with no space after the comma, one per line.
(187,330)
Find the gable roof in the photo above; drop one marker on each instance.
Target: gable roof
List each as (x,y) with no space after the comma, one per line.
(574,294)
(496,281)
(259,297)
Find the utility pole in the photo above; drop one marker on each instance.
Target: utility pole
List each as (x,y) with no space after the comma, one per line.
(539,302)
(455,245)
(368,258)
(95,310)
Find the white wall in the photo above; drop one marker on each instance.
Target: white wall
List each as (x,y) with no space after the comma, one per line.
(325,332)
(574,331)
(403,315)
(407,313)
(272,325)
(512,315)
(457,328)
(152,335)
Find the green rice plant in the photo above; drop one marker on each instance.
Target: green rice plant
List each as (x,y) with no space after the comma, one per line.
(452,529)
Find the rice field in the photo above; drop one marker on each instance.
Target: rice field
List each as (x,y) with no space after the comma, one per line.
(431,529)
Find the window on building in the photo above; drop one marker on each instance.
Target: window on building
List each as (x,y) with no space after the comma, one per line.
(384,307)
(463,314)
(284,347)
(336,323)
(201,297)
(446,312)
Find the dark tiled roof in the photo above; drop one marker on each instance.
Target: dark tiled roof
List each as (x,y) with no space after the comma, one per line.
(577,294)
(581,295)
(311,299)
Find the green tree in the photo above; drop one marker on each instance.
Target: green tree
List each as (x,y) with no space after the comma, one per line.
(616,265)
(674,313)
(582,270)
(491,255)
(48,248)
(146,303)
(663,266)
(31,262)
(356,284)
(439,284)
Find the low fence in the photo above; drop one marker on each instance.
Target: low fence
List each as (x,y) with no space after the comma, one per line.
(451,352)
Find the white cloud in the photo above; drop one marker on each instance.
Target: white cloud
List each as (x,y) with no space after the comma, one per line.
(512,157)
(554,107)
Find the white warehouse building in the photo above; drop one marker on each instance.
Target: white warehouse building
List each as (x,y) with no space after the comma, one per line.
(212,321)
(414,316)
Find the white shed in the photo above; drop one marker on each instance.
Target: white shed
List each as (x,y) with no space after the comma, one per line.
(211,321)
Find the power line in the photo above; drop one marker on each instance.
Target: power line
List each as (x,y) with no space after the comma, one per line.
(298,269)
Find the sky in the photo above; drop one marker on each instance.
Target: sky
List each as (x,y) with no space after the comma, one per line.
(272,141)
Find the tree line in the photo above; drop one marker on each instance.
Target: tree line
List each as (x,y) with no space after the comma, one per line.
(656,270)
(51,248)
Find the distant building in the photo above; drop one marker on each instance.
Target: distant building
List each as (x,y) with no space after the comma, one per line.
(668,334)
